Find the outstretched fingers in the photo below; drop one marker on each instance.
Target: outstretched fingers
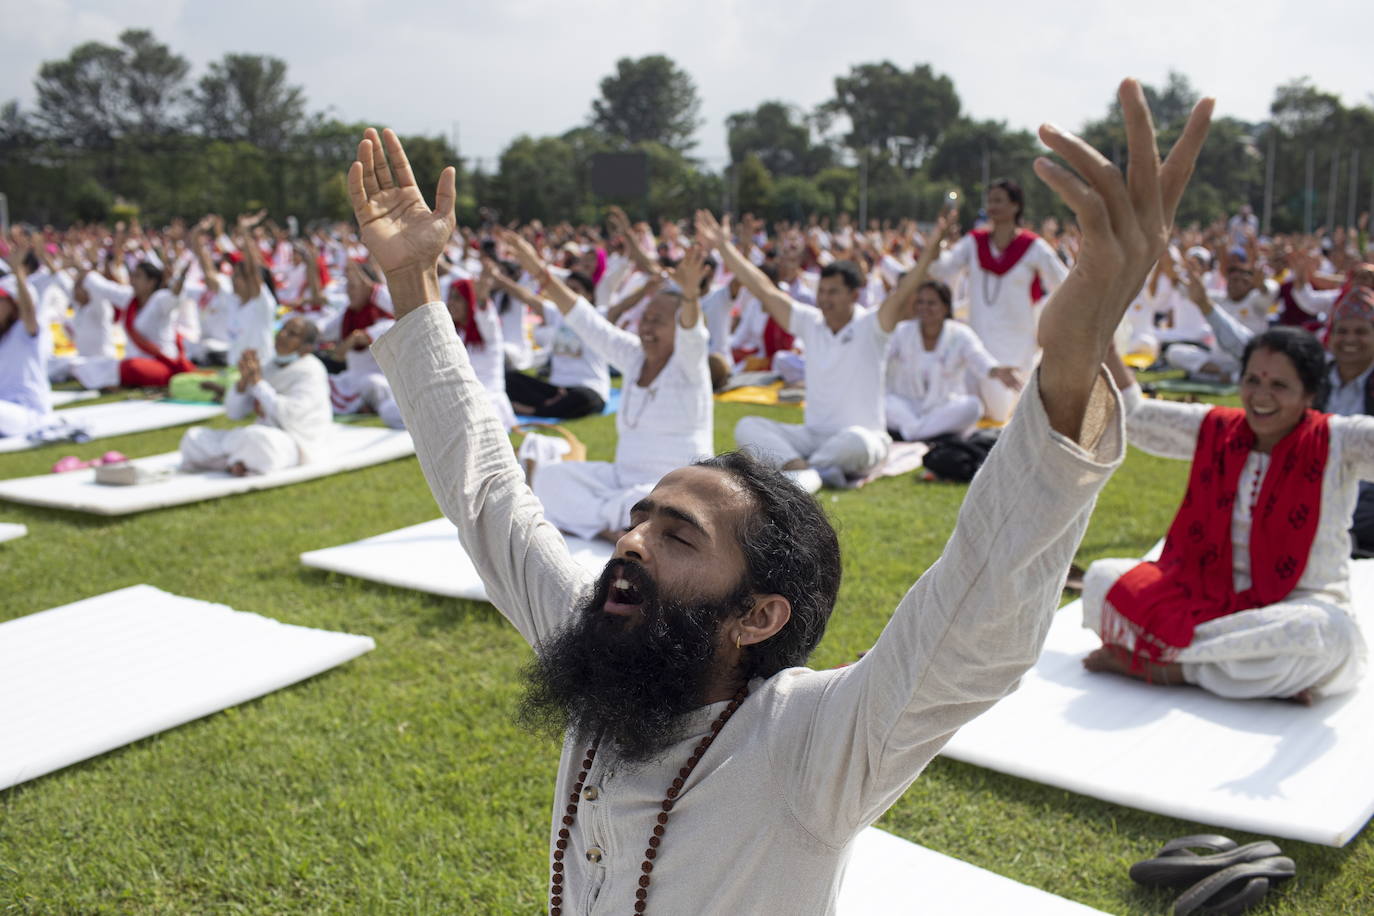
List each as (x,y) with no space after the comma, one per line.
(1085,202)
(1142,167)
(1178,167)
(368,174)
(446,194)
(1097,171)
(400,165)
(379,166)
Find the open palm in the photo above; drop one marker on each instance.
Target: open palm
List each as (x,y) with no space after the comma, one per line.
(396,225)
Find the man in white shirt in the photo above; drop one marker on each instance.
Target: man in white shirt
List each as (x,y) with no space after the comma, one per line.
(1248,298)
(845,430)
(290,395)
(677,674)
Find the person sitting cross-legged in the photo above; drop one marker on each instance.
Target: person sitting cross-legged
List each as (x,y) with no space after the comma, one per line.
(289,394)
(932,360)
(844,435)
(665,415)
(1251,595)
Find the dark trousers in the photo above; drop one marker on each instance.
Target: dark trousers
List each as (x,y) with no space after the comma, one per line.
(1362,529)
(550,400)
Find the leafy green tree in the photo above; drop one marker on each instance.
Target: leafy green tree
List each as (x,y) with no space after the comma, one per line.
(649,99)
(753,186)
(79,98)
(895,114)
(247,97)
(795,198)
(779,136)
(841,185)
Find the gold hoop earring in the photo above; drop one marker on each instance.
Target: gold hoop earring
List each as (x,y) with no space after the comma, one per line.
(737,641)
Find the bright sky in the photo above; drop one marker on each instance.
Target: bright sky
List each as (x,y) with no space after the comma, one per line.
(496,70)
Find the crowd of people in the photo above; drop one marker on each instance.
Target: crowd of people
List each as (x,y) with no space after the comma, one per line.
(896,331)
(726,569)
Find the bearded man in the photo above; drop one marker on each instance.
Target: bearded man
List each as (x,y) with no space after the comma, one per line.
(703,769)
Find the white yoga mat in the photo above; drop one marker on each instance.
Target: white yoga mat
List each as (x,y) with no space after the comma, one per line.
(9,531)
(428,558)
(85,678)
(120,418)
(63,398)
(888,874)
(1265,766)
(350,448)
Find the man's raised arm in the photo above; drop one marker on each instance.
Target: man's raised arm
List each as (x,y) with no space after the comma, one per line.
(775,302)
(463,450)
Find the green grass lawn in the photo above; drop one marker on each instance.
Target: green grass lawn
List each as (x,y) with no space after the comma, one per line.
(399,781)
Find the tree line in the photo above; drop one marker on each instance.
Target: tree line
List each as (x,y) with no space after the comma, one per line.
(123,130)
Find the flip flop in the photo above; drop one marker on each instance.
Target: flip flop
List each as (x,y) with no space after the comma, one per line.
(69,463)
(1234,889)
(1177,865)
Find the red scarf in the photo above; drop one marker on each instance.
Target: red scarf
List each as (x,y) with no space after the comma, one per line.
(470,332)
(1162,601)
(180,364)
(1010,257)
(363,318)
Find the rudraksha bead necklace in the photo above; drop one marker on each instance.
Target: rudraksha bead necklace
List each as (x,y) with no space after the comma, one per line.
(661,827)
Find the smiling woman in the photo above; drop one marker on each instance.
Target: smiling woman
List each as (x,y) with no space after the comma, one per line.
(1288,476)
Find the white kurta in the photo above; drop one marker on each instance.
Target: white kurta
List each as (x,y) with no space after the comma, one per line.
(660,427)
(929,379)
(767,819)
(1308,640)
(294,422)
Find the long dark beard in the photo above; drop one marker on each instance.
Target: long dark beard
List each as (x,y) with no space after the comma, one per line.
(626,680)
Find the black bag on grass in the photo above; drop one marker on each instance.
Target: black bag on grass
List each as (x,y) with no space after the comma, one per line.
(956,459)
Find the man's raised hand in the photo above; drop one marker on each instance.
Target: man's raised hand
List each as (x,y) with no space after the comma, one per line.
(1125,223)
(709,232)
(401,232)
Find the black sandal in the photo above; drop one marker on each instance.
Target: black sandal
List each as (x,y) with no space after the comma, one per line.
(1234,889)
(1177,865)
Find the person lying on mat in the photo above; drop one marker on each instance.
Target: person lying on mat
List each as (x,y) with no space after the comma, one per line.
(1262,530)
(703,768)
(25,394)
(665,415)
(931,360)
(290,395)
(844,433)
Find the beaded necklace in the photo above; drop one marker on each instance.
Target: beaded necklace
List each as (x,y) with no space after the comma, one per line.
(661,825)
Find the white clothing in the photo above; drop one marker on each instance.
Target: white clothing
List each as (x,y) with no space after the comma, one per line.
(251,327)
(1191,358)
(572,364)
(489,361)
(766,821)
(1317,302)
(258,448)
(1252,311)
(585,498)
(715,310)
(959,415)
(667,424)
(928,380)
(217,307)
(748,333)
(855,450)
(25,395)
(1308,640)
(516,343)
(844,370)
(1000,307)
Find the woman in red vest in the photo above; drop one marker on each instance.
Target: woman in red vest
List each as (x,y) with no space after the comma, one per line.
(1251,594)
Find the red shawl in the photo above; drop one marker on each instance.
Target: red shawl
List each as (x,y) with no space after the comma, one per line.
(470,332)
(180,364)
(363,318)
(1010,257)
(1162,601)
